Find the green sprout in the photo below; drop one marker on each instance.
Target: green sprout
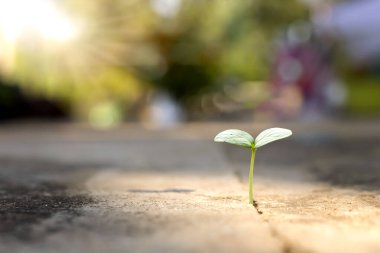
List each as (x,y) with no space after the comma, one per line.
(244,139)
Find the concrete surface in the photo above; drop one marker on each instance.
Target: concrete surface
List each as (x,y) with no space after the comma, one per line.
(68,188)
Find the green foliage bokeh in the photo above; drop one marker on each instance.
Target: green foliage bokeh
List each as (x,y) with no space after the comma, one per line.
(125,49)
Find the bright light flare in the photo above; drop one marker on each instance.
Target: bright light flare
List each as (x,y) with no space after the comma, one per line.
(18,17)
(166,8)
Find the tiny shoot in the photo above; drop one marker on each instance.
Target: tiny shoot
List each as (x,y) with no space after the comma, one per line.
(244,139)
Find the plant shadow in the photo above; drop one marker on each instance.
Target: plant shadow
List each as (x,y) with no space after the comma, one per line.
(169,190)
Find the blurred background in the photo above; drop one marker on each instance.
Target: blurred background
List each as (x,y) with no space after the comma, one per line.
(163,62)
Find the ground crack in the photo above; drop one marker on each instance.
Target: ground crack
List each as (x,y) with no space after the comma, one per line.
(286,245)
(256,205)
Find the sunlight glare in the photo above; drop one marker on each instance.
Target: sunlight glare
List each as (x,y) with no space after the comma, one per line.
(18,17)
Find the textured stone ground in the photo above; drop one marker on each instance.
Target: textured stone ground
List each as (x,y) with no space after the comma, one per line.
(67,188)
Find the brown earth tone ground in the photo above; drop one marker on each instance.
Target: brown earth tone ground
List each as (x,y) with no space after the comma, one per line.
(68,188)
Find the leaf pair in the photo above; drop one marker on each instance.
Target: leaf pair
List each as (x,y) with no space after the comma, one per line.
(244,139)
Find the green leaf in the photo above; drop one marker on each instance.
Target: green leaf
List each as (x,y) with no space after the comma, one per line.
(270,135)
(236,137)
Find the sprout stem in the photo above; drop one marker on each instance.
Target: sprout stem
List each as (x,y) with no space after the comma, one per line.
(251,176)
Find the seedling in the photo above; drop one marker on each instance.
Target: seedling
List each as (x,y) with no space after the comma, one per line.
(244,139)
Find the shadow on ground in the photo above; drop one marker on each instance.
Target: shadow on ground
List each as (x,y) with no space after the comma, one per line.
(174,190)
(31,192)
(345,162)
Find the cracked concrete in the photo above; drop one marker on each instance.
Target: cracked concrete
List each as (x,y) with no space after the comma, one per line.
(67,188)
